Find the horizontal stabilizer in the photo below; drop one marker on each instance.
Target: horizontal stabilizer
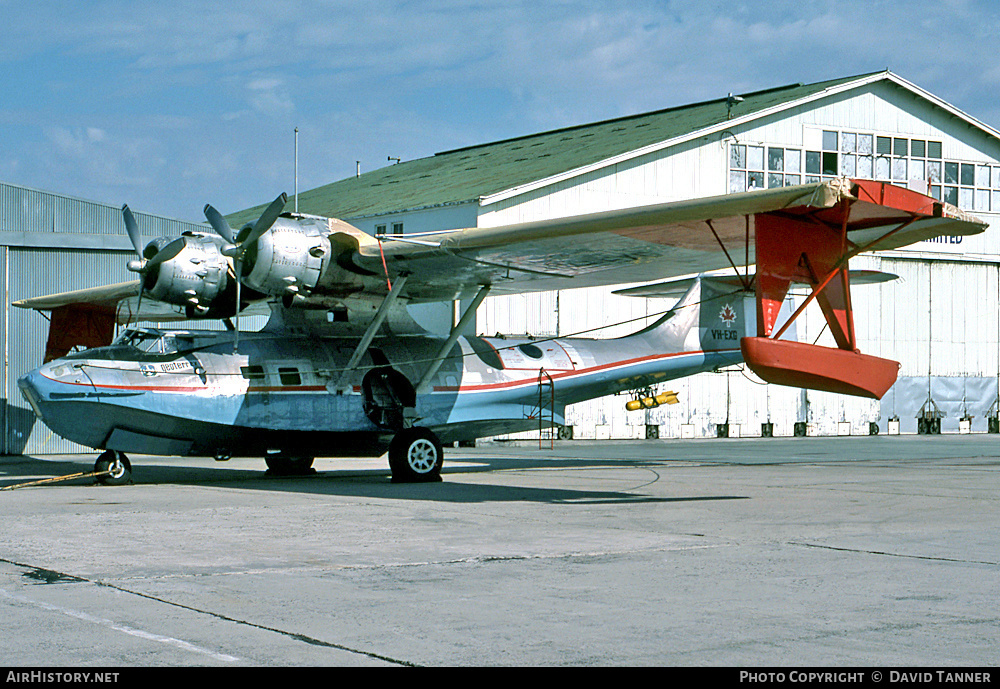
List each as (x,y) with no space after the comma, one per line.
(678,286)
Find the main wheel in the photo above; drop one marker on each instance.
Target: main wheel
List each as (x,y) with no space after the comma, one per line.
(285,465)
(415,456)
(117,464)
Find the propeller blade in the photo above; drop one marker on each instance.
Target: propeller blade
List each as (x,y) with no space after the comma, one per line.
(166,253)
(219,223)
(132,227)
(266,219)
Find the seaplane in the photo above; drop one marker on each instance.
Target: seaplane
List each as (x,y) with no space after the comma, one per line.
(343,369)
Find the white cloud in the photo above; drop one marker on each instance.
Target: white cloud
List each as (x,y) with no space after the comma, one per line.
(146,93)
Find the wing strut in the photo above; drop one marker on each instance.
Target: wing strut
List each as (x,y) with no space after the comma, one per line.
(366,339)
(456,331)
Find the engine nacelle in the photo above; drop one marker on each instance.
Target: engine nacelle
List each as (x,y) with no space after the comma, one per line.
(197,278)
(287,260)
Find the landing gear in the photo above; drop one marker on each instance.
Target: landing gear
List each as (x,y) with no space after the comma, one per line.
(415,456)
(116,463)
(279,464)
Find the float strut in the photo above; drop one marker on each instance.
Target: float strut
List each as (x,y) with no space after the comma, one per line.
(452,338)
(366,339)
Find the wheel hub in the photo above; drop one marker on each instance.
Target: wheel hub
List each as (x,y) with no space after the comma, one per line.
(117,468)
(422,456)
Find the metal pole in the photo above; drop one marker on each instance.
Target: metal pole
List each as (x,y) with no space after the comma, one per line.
(296,169)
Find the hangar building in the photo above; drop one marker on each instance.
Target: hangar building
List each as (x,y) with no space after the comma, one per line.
(939,319)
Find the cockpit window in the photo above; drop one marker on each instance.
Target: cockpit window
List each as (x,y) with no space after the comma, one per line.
(148,341)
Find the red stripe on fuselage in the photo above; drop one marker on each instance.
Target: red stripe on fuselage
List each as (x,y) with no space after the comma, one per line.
(566,375)
(556,375)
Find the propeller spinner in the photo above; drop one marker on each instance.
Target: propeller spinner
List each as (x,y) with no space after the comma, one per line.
(237,247)
(146,265)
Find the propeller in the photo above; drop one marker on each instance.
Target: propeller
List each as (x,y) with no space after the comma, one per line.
(263,224)
(236,250)
(144,266)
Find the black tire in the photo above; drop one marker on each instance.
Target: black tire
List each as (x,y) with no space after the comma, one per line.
(285,465)
(415,456)
(119,466)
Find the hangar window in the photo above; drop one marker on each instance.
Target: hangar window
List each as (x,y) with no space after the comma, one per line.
(982,175)
(899,170)
(951,173)
(917,164)
(746,167)
(829,163)
(775,159)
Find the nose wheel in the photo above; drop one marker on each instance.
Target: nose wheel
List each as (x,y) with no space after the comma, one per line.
(415,456)
(118,467)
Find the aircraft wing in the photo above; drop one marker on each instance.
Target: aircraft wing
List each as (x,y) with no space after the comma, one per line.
(121,300)
(105,295)
(651,242)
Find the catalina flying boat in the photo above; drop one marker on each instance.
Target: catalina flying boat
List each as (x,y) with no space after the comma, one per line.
(342,369)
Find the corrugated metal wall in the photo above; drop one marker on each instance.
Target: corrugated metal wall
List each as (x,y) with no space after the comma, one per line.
(30,271)
(30,210)
(34,272)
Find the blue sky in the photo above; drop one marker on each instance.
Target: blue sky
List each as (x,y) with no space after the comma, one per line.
(171,105)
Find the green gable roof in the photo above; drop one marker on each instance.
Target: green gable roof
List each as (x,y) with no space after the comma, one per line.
(466,174)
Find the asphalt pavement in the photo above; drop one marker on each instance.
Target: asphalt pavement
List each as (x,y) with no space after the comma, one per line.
(846,551)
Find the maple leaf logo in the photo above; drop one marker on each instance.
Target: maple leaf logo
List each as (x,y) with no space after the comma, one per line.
(727,315)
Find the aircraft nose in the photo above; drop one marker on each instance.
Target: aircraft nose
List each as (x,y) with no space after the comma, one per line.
(30,392)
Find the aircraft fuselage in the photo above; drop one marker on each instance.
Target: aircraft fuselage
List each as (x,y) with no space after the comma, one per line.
(195,393)
(278,392)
